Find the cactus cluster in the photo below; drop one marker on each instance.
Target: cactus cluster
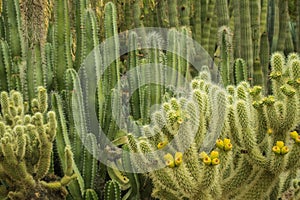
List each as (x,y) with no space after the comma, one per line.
(239,141)
(255,155)
(27,138)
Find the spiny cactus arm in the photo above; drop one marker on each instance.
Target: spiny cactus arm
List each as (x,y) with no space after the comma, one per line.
(293,162)
(207,25)
(263,181)
(225,43)
(45,147)
(11,13)
(134,78)
(172,58)
(61,42)
(222,13)
(248,136)
(274,24)
(277,70)
(48,65)
(5,63)
(76,188)
(197,29)
(283,24)
(246,36)
(211,174)
(290,119)
(90,194)
(255,12)
(240,70)
(264,60)
(80,7)
(173,13)
(213,40)
(263,16)
(185,10)
(133,178)
(69,175)
(112,191)
(15,169)
(237,29)
(89,161)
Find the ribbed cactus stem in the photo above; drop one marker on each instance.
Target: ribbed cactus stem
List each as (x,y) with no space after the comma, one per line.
(112,191)
(246,37)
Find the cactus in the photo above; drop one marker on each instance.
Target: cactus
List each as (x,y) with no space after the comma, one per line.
(258,154)
(31,134)
(112,191)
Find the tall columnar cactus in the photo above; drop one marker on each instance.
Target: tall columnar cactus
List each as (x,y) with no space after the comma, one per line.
(225,43)
(61,43)
(246,36)
(111,76)
(26,145)
(112,191)
(255,153)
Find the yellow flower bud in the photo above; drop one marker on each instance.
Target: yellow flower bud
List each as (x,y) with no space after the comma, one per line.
(214,154)
(297,140)
(162,144)
(280,144)
(284,150)
(169,160)
(276,149)
(228,147)
(178,158)
(226,141)
(202,155)
(269,131)
(294,134)
(207,160)
(215,161)
(220,143)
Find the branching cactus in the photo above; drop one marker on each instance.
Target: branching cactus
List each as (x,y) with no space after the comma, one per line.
(233,144)
(26,146)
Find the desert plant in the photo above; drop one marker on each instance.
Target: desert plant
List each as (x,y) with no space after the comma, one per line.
(26,145)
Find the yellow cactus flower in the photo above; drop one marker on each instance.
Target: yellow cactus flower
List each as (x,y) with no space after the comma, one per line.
(284,150)
(202,155)
(280,144)
(297,140)
(214,154)
(220,143)
(215,161)
(169,160)
(178,158)
(226,141)
(207,160)
(294,135)
(162,144)
(228,147)
(276,149)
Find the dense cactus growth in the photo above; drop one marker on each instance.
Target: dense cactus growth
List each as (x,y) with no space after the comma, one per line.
(241,138)
(255,151)
(26,145)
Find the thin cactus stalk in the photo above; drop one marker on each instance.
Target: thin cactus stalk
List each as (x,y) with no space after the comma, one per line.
(246,37)
(237,29)
(283,25)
